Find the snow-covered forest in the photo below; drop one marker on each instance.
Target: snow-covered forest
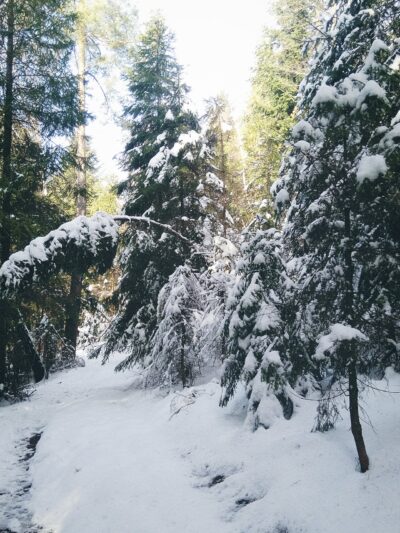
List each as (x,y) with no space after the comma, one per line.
(207,340)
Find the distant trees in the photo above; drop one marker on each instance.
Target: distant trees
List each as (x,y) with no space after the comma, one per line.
(281,63)
(226,161)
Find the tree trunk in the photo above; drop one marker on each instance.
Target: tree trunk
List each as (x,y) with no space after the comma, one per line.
(351,349)
(81,131)
(30,350)
(224,179)
(72,316)
(182,356)
(5,238)
(356,428)
(74,297)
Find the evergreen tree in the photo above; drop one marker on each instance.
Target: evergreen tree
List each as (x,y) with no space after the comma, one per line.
(38,100)
(166,157)
(280,66)
(103,39)
(173,358)
(342,179)
(226,161)
(216,282)
(255,344)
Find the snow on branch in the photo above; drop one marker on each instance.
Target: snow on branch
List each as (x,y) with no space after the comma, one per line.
(338,332)
(78,245)
(75,246)
(150,222)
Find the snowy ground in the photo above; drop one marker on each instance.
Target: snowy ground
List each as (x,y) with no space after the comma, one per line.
(111,459)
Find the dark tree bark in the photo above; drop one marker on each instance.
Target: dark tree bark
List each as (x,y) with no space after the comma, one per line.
(5,236)
(72,315)
(356,428)
(75,294)
(350,350)
(30,350)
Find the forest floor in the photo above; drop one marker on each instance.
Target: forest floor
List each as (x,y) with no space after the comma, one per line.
(90,453)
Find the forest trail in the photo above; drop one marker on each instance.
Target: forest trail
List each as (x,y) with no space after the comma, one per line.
(121,473)
(115,459)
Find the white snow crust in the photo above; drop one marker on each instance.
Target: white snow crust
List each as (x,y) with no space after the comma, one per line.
(115,459)
(371,167)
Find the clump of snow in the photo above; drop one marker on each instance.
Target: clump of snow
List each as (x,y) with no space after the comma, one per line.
(225,248)
(169,115)
(371,167)
(272,357)
(325,94)
(184,140)
(304,146)
(377,46)
(158,160)
(281,197)
(395,65)
(302,127)
(371,88)
(339,332)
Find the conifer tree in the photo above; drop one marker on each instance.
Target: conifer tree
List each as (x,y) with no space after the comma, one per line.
(281,63)
(38,100)
(174,358)
(226,161)
(166,157)
(255,343)
(341,179)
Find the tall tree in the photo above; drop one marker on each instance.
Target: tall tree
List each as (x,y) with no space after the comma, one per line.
(104,36)
(226,161)
(281,63)
(75,292)
(38,104)
(166,159)
(342,179)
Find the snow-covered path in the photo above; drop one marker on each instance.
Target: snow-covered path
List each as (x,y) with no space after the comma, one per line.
(112,460)
(122,469)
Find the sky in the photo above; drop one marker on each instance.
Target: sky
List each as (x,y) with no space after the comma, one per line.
(216,42)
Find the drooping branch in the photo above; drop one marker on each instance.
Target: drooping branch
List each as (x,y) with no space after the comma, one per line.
(145,220)
(76,246)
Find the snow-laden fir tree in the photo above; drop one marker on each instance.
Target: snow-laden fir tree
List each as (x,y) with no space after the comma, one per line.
(255,344)
(216,282)
(174,357)
(342,182)
(166,159)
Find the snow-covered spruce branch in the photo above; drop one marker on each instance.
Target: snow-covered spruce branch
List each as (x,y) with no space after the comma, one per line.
(150,222)
(78,245)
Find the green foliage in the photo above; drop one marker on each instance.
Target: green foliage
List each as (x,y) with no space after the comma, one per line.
(38,106)
(342,181)
(225,161)
(44,107)
(166,158)
(103,198)
(280,66)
